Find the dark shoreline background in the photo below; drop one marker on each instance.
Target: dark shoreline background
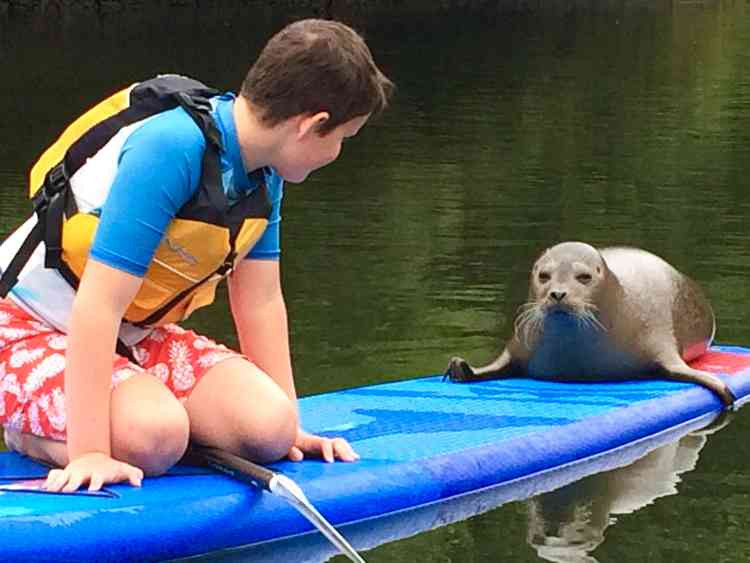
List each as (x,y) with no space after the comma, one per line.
(338,9)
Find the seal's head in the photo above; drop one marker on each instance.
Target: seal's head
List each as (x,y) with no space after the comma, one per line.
(567,279)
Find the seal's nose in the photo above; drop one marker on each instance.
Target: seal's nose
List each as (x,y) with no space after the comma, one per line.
(557,295)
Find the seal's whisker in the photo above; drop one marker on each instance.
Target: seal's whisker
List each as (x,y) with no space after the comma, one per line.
(582,318)
(600,324)
(591,319)
(523,317)
(525,313)
(590,307)
(522,325)
(592,311)
(527,306)
(530,326)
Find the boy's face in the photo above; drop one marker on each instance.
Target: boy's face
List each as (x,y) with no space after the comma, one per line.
(307,150)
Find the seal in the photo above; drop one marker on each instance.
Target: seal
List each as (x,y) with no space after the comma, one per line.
(601,315)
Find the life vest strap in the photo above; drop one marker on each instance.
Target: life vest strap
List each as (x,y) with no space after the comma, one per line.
(10,275)
(199,110)
(146,99)
(52,202)
(124,350)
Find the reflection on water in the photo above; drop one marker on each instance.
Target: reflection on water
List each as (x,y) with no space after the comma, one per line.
(613,122)
(567,525)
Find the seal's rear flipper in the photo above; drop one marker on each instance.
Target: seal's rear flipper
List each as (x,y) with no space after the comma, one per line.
(680,371)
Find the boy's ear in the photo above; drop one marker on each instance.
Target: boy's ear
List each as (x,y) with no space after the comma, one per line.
(311,123)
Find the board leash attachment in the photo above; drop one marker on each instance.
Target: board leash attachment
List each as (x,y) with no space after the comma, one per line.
(273,482)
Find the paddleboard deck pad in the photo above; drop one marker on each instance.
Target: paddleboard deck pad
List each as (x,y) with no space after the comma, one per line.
(423,443)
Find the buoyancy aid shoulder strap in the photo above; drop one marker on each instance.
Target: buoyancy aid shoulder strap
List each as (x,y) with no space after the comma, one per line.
(211,188)
(146,99)
(210,202)
(10,274)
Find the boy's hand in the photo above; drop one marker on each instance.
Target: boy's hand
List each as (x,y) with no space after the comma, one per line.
(96,469)
(327,448)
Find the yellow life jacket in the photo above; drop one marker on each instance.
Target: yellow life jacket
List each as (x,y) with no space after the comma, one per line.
(201,245)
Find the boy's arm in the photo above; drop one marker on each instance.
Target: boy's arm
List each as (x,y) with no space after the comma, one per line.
(102,298)
(259,313)
(159,167)
(260,316)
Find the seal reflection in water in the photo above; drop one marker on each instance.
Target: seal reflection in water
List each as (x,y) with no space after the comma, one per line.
(609,314)
(568,524)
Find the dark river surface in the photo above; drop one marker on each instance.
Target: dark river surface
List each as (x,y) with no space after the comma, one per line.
(610,122)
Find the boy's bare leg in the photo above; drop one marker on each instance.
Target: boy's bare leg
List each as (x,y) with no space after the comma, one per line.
(43,449)
(237,407)
(150,429)
(234,406)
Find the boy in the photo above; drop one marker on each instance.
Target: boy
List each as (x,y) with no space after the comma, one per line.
(147,235)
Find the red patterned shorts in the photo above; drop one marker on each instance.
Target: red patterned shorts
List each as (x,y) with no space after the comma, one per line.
(32,365)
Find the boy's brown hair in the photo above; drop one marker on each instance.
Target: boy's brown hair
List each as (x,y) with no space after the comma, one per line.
(316,65)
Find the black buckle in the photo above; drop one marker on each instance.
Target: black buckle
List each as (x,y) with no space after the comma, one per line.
(57,178)
(55,182)
(225,268)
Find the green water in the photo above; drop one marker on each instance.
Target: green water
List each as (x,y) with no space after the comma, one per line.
(610,122)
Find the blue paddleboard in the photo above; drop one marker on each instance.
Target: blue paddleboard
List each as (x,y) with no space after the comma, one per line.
(425,445)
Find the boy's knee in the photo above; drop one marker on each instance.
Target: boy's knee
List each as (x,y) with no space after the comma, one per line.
(274,435)
(153,441)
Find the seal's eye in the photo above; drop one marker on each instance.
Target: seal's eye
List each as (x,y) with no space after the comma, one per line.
(544,277)
(585,279)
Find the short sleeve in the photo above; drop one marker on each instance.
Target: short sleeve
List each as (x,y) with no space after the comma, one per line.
(159,169)
(268,246)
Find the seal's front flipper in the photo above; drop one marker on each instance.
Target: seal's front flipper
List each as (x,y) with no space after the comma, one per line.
(460,371)
(683,372)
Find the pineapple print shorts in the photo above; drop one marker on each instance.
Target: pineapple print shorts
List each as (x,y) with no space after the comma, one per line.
(32,366)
